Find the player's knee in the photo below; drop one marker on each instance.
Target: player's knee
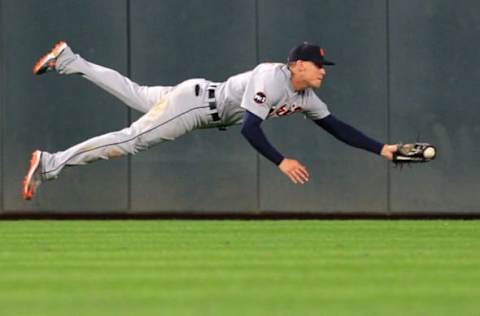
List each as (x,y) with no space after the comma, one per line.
(139,145)
(131,140)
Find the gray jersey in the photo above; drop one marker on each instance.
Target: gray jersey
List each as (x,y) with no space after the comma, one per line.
(266,91)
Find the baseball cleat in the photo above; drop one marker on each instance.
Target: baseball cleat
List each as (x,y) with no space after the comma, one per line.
(48,61)
(32,179)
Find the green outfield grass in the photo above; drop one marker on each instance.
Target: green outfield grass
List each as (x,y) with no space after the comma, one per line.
(239,268)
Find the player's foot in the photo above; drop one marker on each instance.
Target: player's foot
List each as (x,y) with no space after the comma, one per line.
(32,180)
(48,61)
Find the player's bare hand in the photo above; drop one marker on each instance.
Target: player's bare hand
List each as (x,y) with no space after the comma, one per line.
(294,170)
(388,151)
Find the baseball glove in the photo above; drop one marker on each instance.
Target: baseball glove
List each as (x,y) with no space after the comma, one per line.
(415,152)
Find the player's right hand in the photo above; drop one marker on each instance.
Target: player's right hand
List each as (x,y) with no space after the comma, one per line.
(388,151)
(294,170)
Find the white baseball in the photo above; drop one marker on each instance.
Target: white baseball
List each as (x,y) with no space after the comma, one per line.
(429,153)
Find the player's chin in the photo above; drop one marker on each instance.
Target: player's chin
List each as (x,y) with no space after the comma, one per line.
(316,83)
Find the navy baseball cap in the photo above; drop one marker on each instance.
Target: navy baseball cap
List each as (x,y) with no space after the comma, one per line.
(309,52)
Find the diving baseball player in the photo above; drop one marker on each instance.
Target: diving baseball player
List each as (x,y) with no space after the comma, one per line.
(249,98)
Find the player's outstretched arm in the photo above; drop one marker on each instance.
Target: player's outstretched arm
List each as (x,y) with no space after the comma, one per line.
(252,131)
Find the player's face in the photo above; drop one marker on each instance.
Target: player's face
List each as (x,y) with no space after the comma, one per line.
(313,74)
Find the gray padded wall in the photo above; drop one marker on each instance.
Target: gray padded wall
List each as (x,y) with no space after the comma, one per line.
(207,169)
(2,95)
(405,68)
(53,112)
(434,78)
(342,178)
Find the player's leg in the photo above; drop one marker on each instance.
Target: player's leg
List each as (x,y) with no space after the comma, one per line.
(62,59)
(178,113)
(153,128)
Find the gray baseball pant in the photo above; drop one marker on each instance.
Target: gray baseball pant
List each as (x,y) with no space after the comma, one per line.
(170,113)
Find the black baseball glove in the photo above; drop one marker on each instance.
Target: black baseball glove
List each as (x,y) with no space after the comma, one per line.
(415,152)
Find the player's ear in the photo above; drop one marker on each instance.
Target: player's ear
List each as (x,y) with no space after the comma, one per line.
(301,65)
(293,66)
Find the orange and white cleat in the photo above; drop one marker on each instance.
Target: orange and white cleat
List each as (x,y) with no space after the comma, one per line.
(48,61)
(32,180)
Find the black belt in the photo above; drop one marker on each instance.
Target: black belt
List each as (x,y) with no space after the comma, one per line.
(212,103)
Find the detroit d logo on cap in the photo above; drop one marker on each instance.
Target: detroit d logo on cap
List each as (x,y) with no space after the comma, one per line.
(260,98)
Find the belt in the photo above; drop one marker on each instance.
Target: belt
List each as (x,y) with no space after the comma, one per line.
(212,103)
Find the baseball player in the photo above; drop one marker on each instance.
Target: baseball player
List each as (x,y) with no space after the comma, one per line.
(249,98)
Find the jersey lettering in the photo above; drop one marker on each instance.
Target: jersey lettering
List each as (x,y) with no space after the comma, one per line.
(284,110)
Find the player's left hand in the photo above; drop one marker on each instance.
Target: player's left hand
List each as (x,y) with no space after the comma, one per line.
(294,170)
(388,151)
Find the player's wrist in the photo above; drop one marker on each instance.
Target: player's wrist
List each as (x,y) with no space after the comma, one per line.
(279,161)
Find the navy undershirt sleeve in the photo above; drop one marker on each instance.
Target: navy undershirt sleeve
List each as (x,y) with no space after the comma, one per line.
(252,131)
(349,135)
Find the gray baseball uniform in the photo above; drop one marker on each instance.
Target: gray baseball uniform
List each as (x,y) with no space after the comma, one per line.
(170,112)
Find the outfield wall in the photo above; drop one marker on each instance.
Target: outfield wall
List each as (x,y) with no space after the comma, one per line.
(404,69)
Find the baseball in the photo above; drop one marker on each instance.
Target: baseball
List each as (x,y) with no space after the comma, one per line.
(429,153)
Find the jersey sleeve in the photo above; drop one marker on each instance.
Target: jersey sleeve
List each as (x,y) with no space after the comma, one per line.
(261,94)
(313,107)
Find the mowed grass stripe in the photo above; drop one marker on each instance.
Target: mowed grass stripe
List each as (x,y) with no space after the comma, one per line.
(239,267)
